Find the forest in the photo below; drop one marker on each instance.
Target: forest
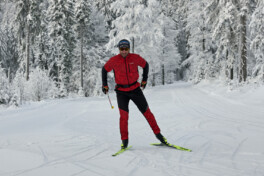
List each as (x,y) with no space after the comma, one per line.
(56,48)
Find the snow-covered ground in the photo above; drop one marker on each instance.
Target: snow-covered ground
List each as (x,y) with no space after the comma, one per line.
(76,137)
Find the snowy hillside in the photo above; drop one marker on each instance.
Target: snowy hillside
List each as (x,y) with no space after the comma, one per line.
(76,137)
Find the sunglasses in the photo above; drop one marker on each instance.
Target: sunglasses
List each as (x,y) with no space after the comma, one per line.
(122,49)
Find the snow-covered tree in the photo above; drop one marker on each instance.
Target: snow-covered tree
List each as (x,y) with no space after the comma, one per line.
(28,23)
(229,19)
(95,54)
(5,88)
(42,42)
(170,57)
(19,87)
(200,61)
(92,37)
(8,97)
(243,8)
(22,19)
(8,52)
(84,30)
(178,12)
(223,16)
(104,6)
(257,43)
(61,21)
(40,86)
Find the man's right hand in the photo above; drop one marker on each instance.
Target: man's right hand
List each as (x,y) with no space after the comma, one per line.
(105,89)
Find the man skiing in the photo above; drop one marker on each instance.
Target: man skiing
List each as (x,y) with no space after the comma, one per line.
(125,66)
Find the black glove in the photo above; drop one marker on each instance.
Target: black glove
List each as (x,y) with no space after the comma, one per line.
(105,89)
(143,84)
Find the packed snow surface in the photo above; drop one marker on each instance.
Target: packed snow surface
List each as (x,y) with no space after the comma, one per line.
(76,137)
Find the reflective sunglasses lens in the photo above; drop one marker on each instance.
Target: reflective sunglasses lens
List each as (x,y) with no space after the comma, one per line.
(122,49)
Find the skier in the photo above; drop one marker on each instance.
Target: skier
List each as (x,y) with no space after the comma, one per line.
(125,66)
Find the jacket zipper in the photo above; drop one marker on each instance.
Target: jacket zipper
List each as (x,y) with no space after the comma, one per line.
(126,70)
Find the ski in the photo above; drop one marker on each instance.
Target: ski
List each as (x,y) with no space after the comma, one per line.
(121,151)
(172,146)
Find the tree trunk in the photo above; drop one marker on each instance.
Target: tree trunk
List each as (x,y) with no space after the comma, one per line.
(133,45)
(163,74)
(154,79)
(226,65)
(9,75)
(232,73)
(243,49)
(229,68)
(27,52)
(81,60)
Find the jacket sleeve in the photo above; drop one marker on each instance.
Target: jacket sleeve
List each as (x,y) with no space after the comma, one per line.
(104,77)
(145,72)
(106,68)
(144,64)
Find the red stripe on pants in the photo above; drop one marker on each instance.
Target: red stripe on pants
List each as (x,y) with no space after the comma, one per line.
(123,124)
(152,121)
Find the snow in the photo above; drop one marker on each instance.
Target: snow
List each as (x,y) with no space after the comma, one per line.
(224,127)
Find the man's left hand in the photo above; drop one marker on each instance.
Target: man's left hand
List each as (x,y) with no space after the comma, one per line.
(143,84)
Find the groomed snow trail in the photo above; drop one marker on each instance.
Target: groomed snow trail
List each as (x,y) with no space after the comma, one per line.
(76,137)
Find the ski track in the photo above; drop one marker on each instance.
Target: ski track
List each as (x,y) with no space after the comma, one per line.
(76,137)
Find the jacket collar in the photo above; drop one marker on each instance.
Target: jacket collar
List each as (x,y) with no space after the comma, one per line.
(119,55)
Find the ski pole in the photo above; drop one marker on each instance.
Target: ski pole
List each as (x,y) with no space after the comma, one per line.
(110,102)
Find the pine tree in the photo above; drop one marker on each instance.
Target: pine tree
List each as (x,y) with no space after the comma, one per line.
(42,45)
(63,41)
(243,8)
(95,53)
(257,43)
(229,19)
(23,27)
(84,30)
(200,60)
(5,88)
(170,57)
(8,52)
(224,15)
(104,6)
(28,22)
(178,12)
(1,12)
(35,23)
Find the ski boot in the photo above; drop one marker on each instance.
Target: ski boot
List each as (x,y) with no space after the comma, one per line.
(124,144)
(162,138)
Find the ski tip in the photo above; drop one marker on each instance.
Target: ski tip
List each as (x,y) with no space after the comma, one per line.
(157,144)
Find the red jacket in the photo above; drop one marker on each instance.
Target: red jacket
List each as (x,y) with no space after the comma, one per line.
(126,71)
